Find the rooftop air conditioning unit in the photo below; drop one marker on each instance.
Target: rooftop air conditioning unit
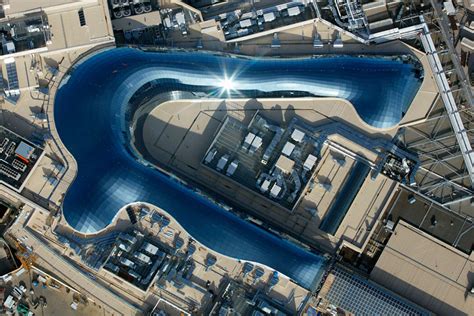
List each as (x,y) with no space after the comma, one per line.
(138,9)
(389,225)
(127,12)
(147,8)
(118,14)
(115,3)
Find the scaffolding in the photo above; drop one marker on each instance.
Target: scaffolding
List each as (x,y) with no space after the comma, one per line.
(444,140)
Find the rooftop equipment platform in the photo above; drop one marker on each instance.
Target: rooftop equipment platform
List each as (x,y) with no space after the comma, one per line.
(18,158)
(273,161)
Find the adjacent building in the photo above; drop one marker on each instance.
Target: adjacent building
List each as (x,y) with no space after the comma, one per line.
(427,271)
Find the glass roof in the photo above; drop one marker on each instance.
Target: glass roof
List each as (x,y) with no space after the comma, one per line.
(90,115)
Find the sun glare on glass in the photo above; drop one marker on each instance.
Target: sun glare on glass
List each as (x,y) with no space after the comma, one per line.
(227,84)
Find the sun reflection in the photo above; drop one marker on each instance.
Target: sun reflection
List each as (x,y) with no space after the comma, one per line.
(227,84)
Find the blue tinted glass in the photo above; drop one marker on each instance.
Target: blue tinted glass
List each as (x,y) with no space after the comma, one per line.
(90,116)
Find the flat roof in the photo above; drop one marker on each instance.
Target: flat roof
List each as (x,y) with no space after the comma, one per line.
(451,228)
(19,6)
(468,44)
(18,159)
(426,271)
(136,22)
(359,296)
(162,136)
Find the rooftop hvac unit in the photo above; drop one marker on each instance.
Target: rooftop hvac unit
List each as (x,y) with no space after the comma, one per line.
(126,262)
(147,8)
(309,162)
(9,302)
(124,247)
(9,47)
(256,143)
(210,155)
(243,32)
(269,17)
(115,3)
(232,167)
(167,22)
(297,135)
(138,9)
(265,186)
(180,19)
(222,162)
(127,12)
(245,23)
(288,149)
(118,14)
(390,225)
(294,11)
(275,191)
(142,257)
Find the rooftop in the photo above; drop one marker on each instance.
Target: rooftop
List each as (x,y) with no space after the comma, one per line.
(18,157)
(21,6)
(136,260)
(426,271)
(136,22)
(446,225)
(55,24)
(188,131)
(275,160)
(24,33)
(354,294)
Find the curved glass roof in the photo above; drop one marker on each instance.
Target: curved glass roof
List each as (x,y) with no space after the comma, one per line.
(90,111)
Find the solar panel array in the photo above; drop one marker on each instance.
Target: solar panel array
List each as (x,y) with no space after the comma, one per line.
(358,296)
(12,76)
